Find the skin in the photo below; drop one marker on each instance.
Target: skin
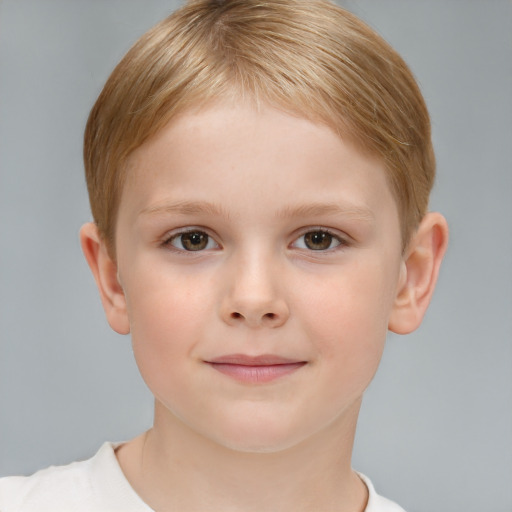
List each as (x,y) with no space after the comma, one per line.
(299,257)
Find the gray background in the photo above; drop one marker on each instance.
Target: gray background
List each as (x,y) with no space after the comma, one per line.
(435,432)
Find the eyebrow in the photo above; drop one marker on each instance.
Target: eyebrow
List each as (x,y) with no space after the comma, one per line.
(186,208)
(318,209)
(301,210)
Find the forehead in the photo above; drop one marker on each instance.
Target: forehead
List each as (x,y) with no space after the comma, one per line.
(241,157)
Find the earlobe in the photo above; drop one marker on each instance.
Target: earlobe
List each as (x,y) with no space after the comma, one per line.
(418,275)
(105,274)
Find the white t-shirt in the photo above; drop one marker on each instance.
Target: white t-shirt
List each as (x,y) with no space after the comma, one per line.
(99,485)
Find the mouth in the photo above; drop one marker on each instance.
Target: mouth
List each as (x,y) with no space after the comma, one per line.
(255,369)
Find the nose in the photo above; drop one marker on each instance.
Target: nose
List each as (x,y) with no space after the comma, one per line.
(253,297)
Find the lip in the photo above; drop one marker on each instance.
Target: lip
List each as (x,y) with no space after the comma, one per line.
(255,369)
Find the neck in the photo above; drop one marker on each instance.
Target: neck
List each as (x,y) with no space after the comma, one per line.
(174,468)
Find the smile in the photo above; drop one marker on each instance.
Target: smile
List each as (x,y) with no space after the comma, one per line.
(255,370)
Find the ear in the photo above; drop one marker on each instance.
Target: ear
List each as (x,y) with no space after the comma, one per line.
(104,270)
(419,272)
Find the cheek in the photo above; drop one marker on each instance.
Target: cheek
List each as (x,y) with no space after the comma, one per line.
(166,322)
(347,317)
(162,302)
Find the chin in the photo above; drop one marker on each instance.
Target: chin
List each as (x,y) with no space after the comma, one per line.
(257,437)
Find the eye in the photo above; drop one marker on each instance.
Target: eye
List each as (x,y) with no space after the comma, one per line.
(318,240)
(192,241)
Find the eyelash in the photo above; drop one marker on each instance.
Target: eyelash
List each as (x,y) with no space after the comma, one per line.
(333,237)
(168,242)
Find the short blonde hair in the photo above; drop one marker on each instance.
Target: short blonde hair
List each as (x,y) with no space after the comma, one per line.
(306,56)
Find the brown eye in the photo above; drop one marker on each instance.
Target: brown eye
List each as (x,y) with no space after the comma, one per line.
(192,241)
(320,240)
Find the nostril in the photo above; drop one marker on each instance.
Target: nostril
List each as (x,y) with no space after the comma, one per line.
(236,315)
(271,316)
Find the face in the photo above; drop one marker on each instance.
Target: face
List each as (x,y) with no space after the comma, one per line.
(260,257)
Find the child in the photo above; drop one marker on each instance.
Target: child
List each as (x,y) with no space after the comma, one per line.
(259,174)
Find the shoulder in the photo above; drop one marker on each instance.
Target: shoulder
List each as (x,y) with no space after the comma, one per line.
(54,487)
(377,503)
(94,484)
